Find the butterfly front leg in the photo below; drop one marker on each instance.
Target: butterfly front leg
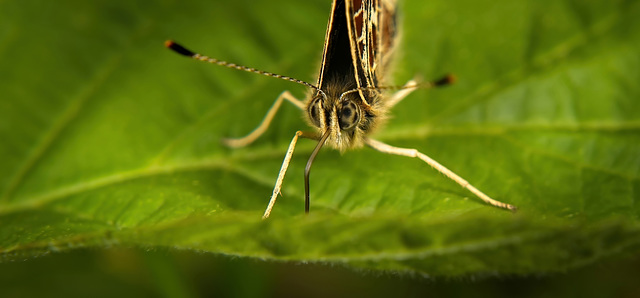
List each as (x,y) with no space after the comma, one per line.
(283,169)
(409,152)
(264,125)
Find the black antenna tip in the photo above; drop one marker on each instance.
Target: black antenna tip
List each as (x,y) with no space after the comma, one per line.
(446,80)
(178,48)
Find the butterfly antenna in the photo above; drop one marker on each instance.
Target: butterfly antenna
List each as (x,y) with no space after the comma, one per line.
(186,52)
(441,82)
(444,81)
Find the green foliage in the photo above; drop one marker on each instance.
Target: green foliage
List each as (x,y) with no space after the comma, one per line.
(110,139)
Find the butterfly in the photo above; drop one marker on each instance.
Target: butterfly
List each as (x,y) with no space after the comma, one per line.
(350,99)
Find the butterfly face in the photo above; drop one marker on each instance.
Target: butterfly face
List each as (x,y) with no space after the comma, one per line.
(342,114)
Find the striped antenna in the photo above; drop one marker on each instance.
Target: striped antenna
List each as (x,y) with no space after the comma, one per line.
(441,82)
(184,51)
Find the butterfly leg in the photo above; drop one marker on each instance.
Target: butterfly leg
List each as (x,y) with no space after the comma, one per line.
(258,131)
(382,147)
(283,170)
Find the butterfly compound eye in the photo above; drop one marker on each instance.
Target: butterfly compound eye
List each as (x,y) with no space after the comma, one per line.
(314,111)
(349,116)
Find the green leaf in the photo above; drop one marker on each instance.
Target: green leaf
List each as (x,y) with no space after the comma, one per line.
(110,139)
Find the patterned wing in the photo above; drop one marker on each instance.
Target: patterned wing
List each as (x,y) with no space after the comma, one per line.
(372,31)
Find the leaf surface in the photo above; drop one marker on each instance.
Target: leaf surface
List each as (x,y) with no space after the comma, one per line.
(110,139)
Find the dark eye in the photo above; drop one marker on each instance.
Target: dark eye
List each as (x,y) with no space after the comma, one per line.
(314,111)
(349,116)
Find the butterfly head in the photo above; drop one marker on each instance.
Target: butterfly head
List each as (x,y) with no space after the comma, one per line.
(343,115)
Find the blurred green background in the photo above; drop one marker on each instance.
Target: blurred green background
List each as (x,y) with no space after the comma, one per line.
(114,183)
(136,273)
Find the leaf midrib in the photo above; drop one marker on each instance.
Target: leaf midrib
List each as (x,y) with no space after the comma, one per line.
(227,164)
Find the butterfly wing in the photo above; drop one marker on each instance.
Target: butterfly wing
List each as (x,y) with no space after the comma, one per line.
(337,60)
(358,43)
(372,29)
